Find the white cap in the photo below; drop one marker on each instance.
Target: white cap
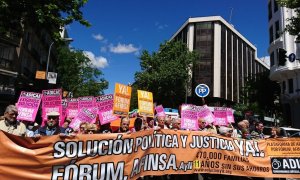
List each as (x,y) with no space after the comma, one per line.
(53,113)
(223,129)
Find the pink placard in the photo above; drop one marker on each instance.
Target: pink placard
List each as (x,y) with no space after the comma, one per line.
(105,108)
(51,102)
(84,115)
(28,105)
(230,117)
(64,104)
(72,109)
(204,113)
(189,117)
(220,116)
(86,102)
(160,111)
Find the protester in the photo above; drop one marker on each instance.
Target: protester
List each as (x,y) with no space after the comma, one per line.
(252,125)
(68,129)
(275,132)
(161,122)
(201,124)
(52,126)
(258,132)
(31,127)
(124,125)
(176,124)
(82,127)
(105,128)
(67,122)
(150,123)
(247,124)
(10,123)
(243,131)
(138,123)
(205,126)
(91,128)
(168,121)
(225,131)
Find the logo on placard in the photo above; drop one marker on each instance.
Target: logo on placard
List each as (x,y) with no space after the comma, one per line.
(285,165)
(202,90)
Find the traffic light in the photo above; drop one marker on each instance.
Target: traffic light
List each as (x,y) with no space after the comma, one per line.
(281,57)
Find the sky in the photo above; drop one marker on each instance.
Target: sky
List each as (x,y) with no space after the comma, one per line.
(122,29)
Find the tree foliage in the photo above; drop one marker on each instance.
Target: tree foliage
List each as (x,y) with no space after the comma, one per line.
(259,94)
(294,23)
(165,73)
(48,14)
(76,74)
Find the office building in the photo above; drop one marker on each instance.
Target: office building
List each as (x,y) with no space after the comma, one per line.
(226,57)
(286,71)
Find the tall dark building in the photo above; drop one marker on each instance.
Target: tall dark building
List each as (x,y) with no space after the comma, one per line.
(20,58)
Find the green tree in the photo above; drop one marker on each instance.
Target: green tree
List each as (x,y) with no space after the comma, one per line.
(51,15)
(294,23)
(165,73)
(76,74)
(259,94)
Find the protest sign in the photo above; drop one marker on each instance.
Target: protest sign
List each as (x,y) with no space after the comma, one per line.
(105,108)
(122,97)
(220,114)
(72,108)
(51,102)
(189,117)
(64,104)
(86,102)
(84,115)
(28,105)
(230,117)
(130,156)
(145,103)
(160,111)
(205,115)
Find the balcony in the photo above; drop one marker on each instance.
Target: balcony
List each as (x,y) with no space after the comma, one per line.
(6,64)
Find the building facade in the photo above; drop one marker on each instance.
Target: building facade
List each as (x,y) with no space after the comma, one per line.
(288,73)
(226,57)
(20,58)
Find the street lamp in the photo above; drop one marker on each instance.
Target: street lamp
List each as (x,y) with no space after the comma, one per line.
(49,52)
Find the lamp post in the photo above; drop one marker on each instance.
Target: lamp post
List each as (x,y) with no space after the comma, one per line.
(49,52)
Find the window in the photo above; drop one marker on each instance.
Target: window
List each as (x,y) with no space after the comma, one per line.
(275,6)
(277,33)
(270,10)
(283,87)
(272,59)
(291,86)
(271,34)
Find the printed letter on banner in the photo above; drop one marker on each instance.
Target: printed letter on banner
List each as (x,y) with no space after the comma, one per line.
(121,99)
(28,105)
(145,102)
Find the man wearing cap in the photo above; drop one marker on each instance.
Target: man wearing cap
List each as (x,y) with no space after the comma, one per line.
(10,123)
(51,127)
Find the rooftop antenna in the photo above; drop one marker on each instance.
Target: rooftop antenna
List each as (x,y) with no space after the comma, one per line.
(231,9)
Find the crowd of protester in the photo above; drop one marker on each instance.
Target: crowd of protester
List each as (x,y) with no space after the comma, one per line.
(242,129)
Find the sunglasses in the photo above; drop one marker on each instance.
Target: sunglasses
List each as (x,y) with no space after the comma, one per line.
(52,117)
(93,131)
(13,113)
